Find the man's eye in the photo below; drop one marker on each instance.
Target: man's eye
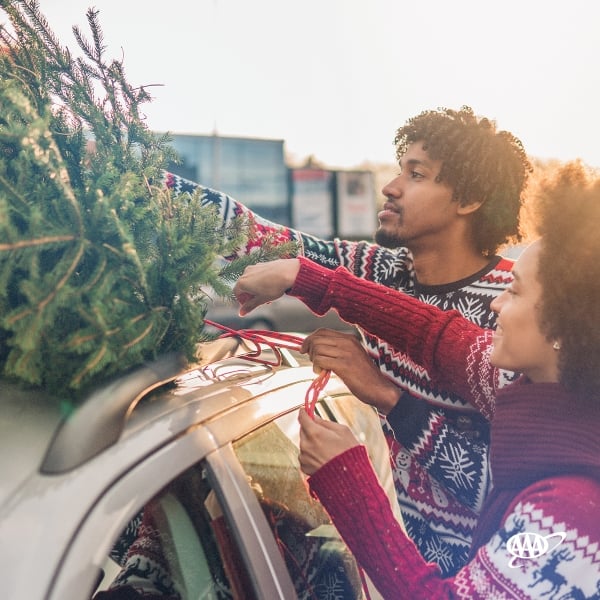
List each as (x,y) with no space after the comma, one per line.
(416,175)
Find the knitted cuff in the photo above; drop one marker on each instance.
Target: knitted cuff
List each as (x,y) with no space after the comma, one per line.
(335,482)
(337,477)
(311,285)
(408,418)
(360,510)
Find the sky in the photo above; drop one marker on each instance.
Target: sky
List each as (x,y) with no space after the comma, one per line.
(335,78)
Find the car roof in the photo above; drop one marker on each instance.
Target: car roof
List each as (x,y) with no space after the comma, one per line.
(39,435)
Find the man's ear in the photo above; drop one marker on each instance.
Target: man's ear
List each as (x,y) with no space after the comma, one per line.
(467,209)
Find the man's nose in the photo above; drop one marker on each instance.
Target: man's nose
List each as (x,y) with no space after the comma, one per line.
(392,189)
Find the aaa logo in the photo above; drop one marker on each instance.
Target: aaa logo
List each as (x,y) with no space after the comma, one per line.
(532,545)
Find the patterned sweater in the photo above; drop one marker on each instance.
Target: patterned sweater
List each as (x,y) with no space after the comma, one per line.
(539,531)
(439,447)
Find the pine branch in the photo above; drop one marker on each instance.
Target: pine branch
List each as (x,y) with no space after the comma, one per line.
(100,269)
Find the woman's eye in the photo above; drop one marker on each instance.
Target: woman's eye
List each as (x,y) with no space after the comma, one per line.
(416,175)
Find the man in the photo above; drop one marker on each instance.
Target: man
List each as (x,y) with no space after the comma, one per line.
(455,201)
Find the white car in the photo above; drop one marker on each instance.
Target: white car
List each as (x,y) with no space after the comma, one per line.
(184,482)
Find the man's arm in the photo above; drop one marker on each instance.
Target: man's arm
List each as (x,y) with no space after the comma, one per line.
(365,260)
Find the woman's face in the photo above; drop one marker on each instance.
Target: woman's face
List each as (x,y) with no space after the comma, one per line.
(518,343)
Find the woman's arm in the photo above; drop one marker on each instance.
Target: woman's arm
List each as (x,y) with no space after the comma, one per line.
(549,531)
(345,482)
(454,351)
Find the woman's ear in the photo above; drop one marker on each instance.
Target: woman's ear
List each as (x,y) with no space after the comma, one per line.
(467,209)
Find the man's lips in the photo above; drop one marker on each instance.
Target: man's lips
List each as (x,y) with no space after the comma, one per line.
(389,210)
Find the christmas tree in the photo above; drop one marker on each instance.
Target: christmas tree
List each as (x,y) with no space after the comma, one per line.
(101,269)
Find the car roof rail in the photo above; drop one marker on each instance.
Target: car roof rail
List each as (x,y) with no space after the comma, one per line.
(98,423)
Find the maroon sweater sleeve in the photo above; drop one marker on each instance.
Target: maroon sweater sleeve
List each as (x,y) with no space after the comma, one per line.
(447,345)
(349,490)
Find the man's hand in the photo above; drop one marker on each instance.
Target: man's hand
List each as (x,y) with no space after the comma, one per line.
(321,440)
(264,282)
(343,354)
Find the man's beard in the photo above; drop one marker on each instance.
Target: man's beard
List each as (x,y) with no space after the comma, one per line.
(388,239)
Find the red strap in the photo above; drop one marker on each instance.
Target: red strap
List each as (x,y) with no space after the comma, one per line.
(314,391)
(276,340)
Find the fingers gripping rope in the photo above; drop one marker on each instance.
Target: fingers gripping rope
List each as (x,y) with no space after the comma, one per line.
(314,391)
(276,340)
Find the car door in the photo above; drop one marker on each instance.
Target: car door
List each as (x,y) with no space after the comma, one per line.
(170,487)
(230,510)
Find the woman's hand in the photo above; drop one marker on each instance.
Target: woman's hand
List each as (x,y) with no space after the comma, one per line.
(321,441)
(264,282)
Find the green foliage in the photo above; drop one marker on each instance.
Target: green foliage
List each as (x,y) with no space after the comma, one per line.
(100,268)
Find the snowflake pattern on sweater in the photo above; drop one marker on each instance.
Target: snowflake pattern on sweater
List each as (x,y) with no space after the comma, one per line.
(440,466)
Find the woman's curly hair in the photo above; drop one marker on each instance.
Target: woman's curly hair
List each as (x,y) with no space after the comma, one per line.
(568,207)
(479,163)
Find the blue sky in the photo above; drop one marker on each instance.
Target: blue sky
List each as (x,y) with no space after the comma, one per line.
(335,78)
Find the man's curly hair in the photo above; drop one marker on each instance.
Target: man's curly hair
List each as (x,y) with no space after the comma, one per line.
(569,271)
(479,163)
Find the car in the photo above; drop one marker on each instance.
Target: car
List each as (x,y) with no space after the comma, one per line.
(286,314)
(181,478)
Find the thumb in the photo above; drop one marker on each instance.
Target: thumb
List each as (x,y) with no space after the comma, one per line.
(246,301)
(305,420)
(248,305)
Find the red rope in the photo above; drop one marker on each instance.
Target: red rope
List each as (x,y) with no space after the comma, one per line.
(276,340)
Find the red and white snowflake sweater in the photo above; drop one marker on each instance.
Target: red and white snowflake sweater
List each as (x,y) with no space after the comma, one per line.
(539,531)
(438,443)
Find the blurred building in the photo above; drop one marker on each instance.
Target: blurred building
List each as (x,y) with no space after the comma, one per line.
(326,203)
(252,170)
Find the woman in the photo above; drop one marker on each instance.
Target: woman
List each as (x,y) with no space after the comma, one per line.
(539,531)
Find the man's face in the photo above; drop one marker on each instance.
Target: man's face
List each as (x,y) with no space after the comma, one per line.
(417,207)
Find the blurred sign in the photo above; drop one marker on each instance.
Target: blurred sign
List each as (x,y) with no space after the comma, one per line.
(312,202)
(356,206)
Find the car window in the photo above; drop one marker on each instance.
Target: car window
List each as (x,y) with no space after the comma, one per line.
(183,545)
(179,547)
(318,562)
